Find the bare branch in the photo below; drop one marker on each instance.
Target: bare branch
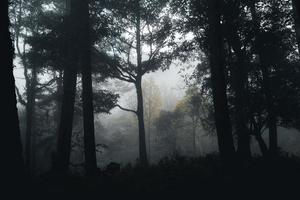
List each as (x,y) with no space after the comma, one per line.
(46,84)
(126,109)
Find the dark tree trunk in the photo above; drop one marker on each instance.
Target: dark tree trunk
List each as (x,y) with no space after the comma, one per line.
(12,163)
(222,120)
(69,90)
(296,9)
(140,116)
(87,93)
(272,119)
(239,73)
(243,149)
(30,108)
(139,92)
(58,100)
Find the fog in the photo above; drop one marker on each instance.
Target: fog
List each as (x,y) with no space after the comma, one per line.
(142,97)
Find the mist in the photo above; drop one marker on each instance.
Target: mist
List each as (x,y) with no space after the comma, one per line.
(147,98)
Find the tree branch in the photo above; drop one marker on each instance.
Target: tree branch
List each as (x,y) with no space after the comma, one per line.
(126,109)
(43,85)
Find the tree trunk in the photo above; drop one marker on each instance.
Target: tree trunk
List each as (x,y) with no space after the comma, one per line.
(30,108)
(12,165)
(69,90)
(139,92)
(296,9)
(239,73)
(272,119)
(59,95)
(140,116)
(222,120)
(87,94)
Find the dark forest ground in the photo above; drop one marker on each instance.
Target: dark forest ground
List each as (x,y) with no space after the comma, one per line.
(177,178)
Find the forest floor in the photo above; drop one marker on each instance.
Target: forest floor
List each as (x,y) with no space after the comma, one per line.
(178,178)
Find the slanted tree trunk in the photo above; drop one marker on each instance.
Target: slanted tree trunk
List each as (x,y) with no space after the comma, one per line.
(12,163)
(272,119)
(139,92)
(256,131)
(222,120)
(296,9)
(87,93)
(69,90)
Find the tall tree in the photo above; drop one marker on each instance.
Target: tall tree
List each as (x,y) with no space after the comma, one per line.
(222,120)
(265,69)
(87,91)
(12,164)
(23,25)
(232,24)
(144,25)
(69,88)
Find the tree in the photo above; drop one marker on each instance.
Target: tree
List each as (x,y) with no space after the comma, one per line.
(87,91)
(69,88)
(24,25)
(232,26)
(265,66)
(144,25)
(222,120)
(12,164)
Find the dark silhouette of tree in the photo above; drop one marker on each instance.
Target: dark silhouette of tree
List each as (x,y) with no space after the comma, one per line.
(12,165)
(30,71)
(239,74)
(222,120)
(265,69)
(69,88)
(87,90)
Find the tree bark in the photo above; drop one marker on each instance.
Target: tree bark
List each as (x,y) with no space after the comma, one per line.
(222,120)
(30,108)
(272,119)
(139,91)
(140,116)
(69,90)
(12,165)
(87,94)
